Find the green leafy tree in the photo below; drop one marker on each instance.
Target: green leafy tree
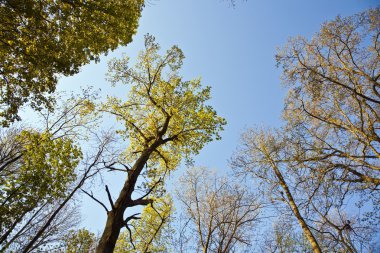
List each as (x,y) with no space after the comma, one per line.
(41,40)
(166,119)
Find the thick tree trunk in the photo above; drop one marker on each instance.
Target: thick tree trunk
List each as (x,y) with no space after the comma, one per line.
(115,218)
(309,235)
(111,232)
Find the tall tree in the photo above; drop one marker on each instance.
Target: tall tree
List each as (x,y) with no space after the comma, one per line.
(262,156)
(328,151)
(166,119)
(42,40)
(333,104)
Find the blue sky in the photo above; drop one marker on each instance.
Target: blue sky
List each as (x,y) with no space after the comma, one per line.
(233,50)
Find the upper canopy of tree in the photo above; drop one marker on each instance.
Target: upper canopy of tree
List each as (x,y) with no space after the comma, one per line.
(333,105)
(40,40)
(162,107)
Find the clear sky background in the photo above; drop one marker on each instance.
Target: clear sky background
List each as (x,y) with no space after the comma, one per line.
(233,50)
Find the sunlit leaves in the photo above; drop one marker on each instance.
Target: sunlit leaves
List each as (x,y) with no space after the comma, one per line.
(49,162)
(161,105)
(41,40)
(81,241)
(43,173)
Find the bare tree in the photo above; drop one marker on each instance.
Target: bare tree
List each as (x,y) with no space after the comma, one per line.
(333,104)
(283,237)
(262,156)
(223,214)
(54,234)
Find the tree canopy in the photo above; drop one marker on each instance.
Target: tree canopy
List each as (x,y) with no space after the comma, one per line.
(42,40)
(333,101)
(308,185)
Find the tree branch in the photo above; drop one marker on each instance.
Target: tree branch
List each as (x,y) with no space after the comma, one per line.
(92,196)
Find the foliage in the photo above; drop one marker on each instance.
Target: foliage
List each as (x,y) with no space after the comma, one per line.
(162,103)
(41,40)
(41,171)
(45,170)
(80,241)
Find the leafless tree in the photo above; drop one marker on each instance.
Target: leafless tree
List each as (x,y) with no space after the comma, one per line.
(262,156)
(333,104)
(222,213)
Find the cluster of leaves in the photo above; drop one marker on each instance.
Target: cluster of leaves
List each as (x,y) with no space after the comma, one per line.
(80,241)
(41,40)
(40,172)
(45,170)
(49,162)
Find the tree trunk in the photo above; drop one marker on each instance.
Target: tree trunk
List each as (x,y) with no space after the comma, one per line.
(115,218)
(309,235)
(111,232)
